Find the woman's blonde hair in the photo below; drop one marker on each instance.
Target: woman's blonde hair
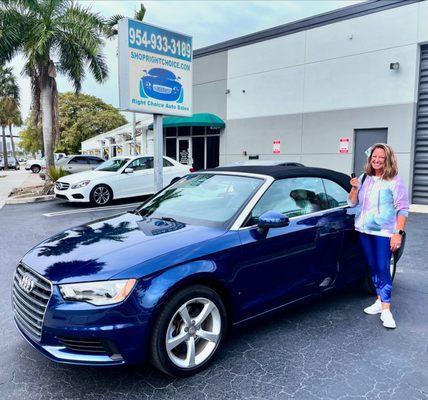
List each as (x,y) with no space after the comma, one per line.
(391,167)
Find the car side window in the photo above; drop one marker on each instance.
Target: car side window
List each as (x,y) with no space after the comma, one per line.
(95,160)
(291,197)
(78,160)
(336,195)
(167,163)
(141,163)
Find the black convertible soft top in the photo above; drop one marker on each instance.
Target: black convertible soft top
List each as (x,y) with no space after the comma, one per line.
(281,172)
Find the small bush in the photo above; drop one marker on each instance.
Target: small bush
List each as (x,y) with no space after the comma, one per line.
(56,172)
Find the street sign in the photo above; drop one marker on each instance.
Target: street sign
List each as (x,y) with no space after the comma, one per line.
(155,69)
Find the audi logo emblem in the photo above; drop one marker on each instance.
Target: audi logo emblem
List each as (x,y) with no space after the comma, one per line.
(26,282)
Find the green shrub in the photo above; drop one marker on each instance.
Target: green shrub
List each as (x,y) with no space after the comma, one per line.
(56,172)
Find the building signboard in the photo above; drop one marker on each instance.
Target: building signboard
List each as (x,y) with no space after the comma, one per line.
(155,69)
(276,147)
(344,145)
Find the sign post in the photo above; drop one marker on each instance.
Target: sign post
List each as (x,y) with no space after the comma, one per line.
(155,77)
(158,161)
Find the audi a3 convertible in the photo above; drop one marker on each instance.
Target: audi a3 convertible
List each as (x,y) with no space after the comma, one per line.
(165,281)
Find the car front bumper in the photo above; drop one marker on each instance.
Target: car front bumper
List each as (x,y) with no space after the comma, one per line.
(78,195)
(81,334)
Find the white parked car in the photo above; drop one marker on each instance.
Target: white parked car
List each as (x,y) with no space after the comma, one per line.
(36,165)
(117,178)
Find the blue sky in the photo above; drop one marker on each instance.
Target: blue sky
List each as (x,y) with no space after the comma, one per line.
(209,22)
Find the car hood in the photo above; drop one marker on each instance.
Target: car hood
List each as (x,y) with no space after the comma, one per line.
(86,175)
(107,247)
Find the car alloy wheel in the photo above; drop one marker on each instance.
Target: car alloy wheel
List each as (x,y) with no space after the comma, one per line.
(101,195)
(193,333)
(189,331)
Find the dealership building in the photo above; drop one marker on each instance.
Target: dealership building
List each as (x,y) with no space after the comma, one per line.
(318,91)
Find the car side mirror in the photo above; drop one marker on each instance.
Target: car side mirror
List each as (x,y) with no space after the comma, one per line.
(128,171)
(271,219)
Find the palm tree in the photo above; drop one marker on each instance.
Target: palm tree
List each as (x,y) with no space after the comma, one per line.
(9,105)
(54,36)
(15,119)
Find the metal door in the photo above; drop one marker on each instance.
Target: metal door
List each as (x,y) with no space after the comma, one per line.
(184,151)
(420,170)
(364,138)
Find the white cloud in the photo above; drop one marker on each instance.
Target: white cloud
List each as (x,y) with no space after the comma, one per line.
(209,22)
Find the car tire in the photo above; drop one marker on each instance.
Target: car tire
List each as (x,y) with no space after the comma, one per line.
(177,178)
(188,352)
(101,195)
(35,169)
(368,283)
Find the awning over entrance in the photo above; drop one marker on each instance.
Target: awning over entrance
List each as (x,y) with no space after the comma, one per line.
(201,119)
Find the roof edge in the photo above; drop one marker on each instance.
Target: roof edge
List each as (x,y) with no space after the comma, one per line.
(341,14)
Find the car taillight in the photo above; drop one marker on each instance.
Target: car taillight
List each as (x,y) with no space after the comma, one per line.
(191,169)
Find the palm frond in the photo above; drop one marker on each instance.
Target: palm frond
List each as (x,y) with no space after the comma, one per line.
(98,67)
(139,15)
(111,25)
(12,24)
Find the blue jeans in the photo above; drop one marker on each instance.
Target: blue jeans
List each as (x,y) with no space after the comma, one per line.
(378,255)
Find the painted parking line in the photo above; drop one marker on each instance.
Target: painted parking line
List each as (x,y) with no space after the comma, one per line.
(95,209)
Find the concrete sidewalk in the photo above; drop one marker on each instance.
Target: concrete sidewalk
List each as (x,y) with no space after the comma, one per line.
(10,180)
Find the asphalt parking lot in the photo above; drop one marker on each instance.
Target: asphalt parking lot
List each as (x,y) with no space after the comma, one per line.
(326,349)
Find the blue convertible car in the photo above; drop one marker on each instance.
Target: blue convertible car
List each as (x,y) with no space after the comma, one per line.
(163,283)
(161,84)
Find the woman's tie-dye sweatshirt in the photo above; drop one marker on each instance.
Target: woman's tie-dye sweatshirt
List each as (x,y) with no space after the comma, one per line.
(379,203)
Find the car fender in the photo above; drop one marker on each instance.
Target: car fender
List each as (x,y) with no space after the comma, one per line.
(159,288)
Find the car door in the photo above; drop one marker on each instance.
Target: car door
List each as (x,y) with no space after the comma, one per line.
(281,266)
(94,162)
(350,255)
(77,164)
(170,171)
(141,181)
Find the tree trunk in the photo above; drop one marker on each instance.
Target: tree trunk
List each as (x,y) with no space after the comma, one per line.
(3,128)
(12,143)
(46,109)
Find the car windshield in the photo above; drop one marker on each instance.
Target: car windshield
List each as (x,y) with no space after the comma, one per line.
(202,199)
(113,165)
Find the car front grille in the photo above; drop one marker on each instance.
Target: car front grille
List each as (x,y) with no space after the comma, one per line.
(162,89)
(30,295)
(62,185)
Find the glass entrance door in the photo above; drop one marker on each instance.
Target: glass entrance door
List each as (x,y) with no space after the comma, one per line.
(184,151)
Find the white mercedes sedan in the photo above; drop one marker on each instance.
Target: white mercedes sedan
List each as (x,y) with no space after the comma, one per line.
(117,178)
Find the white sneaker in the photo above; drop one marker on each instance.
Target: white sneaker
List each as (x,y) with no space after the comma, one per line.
(375,308)
(387,319)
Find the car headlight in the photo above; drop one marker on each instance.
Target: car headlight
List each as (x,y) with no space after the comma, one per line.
(98,293)
(80,184)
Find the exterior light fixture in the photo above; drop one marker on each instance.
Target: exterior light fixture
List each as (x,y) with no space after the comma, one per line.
(394,66)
